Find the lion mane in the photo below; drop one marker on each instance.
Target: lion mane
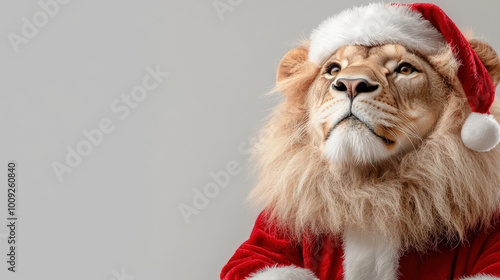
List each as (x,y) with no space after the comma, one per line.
(437,192)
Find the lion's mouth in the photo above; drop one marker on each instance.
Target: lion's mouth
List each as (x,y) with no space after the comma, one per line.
(351,116)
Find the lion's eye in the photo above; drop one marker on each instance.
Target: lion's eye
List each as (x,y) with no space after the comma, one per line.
(334,69)
(405,69)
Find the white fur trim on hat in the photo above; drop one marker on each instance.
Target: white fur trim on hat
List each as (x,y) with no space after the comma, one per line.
(283,273)
(480,132)
(372,25)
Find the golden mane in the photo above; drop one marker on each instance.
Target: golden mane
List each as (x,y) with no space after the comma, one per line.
(439,191)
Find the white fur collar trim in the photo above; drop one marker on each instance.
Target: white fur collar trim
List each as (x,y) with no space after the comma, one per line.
(368,257)
(481,277)
(283,273)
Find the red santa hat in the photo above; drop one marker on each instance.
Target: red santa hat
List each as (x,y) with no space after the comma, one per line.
(422,28)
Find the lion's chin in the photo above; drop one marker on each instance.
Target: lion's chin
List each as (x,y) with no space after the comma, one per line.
(354,144)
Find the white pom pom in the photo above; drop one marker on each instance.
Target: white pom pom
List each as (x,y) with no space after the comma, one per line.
(480,132)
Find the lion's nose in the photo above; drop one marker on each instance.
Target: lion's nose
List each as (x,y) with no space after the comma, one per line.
(353,87)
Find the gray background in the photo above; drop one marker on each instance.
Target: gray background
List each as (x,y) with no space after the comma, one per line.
(119,209)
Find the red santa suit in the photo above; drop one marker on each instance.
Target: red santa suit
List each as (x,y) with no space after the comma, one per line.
(269,255)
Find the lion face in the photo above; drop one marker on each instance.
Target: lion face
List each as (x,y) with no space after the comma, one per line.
(396,117)
(370,103)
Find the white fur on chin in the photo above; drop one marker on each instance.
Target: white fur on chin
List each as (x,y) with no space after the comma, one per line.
(354,145)
(283,273)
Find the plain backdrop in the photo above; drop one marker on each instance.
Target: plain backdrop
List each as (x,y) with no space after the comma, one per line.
(116,215)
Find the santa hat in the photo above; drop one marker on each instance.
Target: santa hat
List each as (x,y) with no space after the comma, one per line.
(422,28)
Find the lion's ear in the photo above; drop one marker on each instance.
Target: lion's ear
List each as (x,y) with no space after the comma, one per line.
(488,57)
(295,72)
(290,63)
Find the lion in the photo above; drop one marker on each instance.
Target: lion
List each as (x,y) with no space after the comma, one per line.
(363,162)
